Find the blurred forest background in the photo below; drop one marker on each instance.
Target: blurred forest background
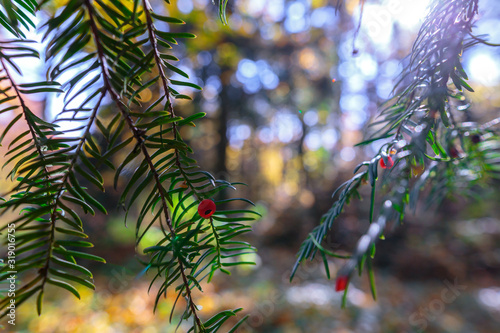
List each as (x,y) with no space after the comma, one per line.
(289,90)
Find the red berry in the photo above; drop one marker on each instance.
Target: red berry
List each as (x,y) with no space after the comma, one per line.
(454,153)
(475,139)
(206,208)
(341,283)
(390,163)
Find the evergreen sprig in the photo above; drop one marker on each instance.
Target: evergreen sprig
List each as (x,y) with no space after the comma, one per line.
(110,51)
(424,137)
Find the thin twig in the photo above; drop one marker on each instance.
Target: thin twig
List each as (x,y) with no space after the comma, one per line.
(161,71)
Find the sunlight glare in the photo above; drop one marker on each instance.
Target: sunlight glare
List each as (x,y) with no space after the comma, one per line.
(378,19)
(409,14)
(484,68)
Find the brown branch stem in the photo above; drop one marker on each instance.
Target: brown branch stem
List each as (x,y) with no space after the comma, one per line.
(164,79)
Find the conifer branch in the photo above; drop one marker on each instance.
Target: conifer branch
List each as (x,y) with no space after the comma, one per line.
(412,121)
(140,142)
(36,142)
(65,183)
(164,79)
